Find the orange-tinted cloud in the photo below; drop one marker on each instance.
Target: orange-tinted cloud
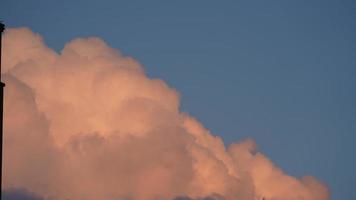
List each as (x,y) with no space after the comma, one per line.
(88,123)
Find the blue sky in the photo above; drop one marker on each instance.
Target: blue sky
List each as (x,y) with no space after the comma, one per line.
(280,72)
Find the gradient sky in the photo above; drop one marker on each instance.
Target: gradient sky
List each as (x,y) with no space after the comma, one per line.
(280,72)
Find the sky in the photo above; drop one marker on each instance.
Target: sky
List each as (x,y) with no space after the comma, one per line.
(279,72)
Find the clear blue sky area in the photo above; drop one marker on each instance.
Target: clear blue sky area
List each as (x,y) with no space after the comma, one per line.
(281,72)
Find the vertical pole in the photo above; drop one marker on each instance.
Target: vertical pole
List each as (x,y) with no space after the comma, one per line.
(2,85)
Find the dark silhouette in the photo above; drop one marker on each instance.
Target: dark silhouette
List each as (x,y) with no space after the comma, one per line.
(2,85)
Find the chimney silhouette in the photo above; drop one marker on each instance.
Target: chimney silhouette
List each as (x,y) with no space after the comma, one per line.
(2,85)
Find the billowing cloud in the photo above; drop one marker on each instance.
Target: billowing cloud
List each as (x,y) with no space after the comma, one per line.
(87,123)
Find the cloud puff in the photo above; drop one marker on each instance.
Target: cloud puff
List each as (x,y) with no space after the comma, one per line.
(87,123)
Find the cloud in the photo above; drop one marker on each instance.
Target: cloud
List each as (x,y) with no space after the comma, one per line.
(87,123)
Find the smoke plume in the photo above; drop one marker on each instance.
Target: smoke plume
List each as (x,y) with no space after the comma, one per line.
(87,123)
